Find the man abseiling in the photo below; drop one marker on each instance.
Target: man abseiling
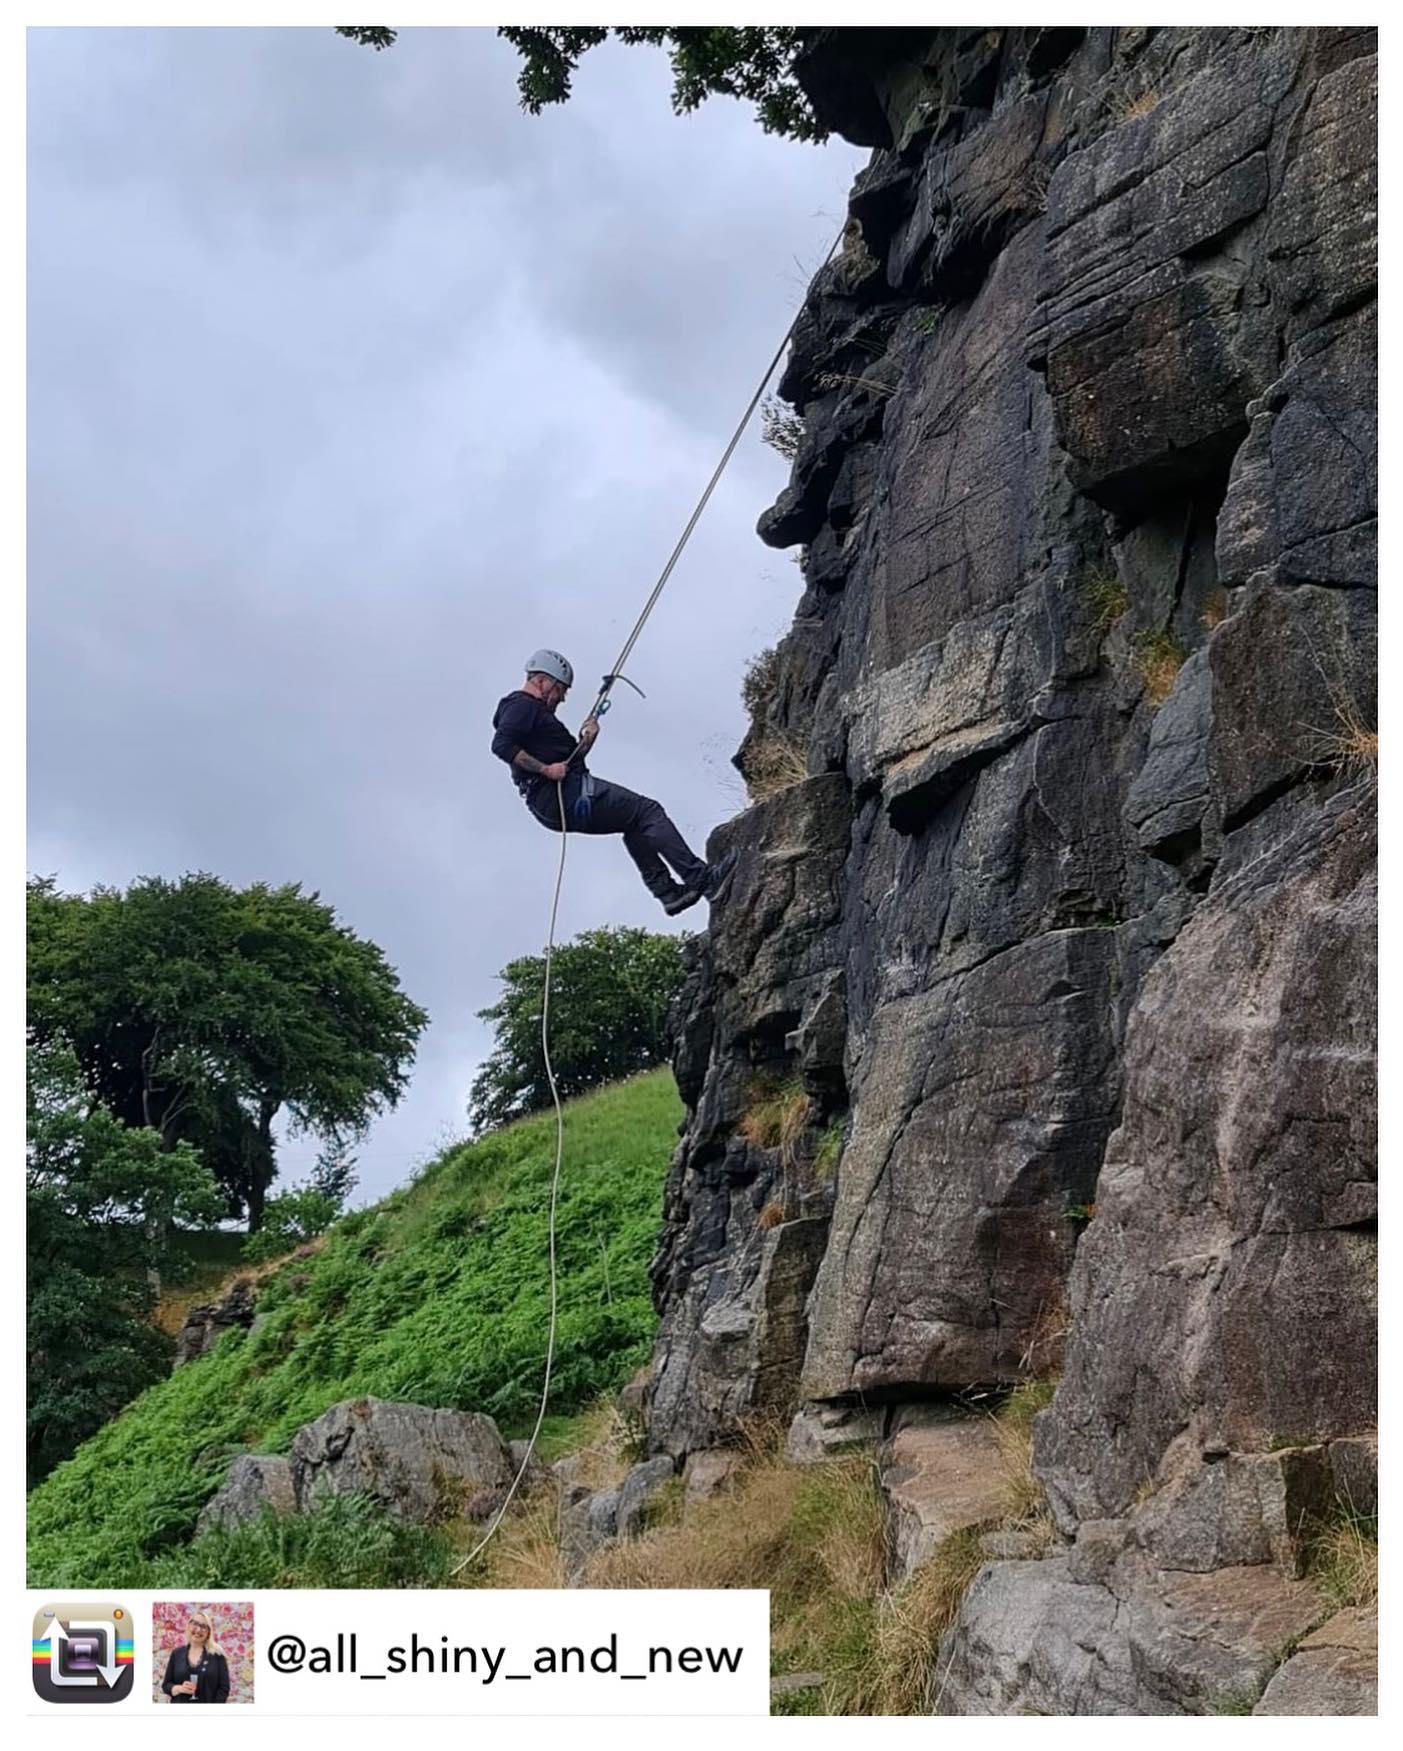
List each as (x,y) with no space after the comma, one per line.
(539,749)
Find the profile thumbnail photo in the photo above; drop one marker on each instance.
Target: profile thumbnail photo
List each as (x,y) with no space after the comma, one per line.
(202,1652)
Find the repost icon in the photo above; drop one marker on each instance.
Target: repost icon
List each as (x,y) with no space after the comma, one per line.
(83,1653)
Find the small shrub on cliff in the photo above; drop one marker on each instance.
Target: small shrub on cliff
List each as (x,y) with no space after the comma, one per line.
(781,427)
(760,683)
(1107,598)
(1215,609)
(1159,656)
(830,1150)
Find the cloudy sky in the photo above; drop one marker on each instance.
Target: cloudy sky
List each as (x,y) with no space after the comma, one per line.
(350,384)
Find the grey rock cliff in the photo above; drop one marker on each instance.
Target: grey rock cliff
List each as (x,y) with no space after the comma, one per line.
(1067,936)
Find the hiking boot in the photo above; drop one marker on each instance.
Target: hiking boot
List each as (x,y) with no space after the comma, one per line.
(679,899)
(711,884)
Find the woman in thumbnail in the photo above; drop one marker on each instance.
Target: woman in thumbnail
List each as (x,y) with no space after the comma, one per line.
(197,1671)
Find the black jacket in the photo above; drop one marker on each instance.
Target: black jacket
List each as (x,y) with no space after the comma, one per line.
(212,1674)
(521,721)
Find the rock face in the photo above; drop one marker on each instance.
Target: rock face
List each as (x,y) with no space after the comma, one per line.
(1334,1671)
(1062,952)
(206,1324)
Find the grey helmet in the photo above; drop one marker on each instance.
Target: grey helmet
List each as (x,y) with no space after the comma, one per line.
(553,664)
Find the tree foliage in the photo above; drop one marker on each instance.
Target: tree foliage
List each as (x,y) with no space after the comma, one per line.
(102,1201)
(290,1220)
(753,62)
(610,991)
(204,1011)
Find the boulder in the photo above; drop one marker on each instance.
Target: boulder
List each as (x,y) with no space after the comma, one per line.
(1031,1640)
(255,1482)
(418,1463)
(940,1475)
(586,1525)
(824,1431)
(708,1473)
(639,1490)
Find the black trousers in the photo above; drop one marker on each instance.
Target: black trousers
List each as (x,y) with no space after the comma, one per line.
(650,838)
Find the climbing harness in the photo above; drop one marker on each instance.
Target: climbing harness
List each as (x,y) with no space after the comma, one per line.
(597,711)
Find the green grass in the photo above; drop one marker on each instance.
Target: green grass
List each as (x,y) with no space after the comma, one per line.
(345,1542)
(438,1295)
(1107,598)
(830,1150)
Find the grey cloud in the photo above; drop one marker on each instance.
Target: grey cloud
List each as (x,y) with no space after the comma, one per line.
(349,385)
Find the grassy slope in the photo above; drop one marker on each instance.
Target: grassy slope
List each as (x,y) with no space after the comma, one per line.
(437,1295)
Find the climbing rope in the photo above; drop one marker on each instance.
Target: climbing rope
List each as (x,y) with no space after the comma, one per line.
(601,705)
(529,1454)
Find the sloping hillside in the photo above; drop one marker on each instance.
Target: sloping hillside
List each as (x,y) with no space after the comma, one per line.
(437,1295)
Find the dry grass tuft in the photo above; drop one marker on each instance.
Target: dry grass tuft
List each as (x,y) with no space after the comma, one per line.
(815,1535)
(1159,658)
(760,683)
(1043,1354)
(1354,746)
(525,1552)
(911,1623)
(771,1216)
(1143,104)
(1343,1558)
(777,1116)
(845,380)
(1025,1506)
(1215,609)
(772,763)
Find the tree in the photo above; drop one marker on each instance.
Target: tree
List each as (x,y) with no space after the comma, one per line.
(300,1214)
(334,1174)
(610,991)
(204,1011)
(102,1202)
(291,1220)
(755,62)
